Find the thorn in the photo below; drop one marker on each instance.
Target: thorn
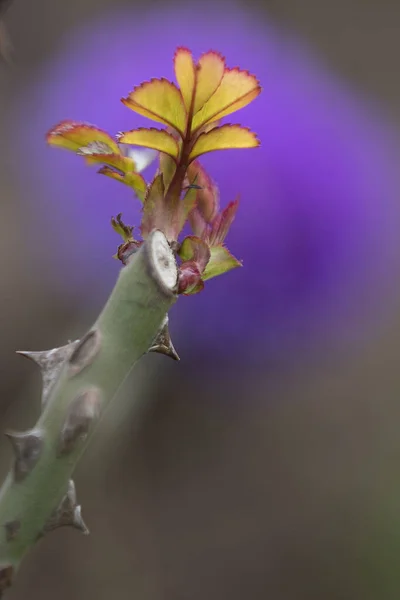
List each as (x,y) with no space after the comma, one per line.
(50,363)
(12,528)
(83,411)
(68,513)
(78,521)
(27,447)
(162,342)
(85,352)
(6,575)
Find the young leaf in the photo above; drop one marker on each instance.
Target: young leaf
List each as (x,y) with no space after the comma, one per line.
(133,180)
(185,208)
(154,208)
(207,197)
(167,166)
(158,139)
(198,224)
(211,67)
(236,90)
(116,161)
(125,231)
(195,249)
(223,138)
(222,223)
(185,73)
(75,136)
(221,261)
(197,82)
(159,100)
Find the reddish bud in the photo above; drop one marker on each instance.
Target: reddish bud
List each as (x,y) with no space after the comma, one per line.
(189,278)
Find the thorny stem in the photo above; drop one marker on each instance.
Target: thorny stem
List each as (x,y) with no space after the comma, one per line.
(31,499)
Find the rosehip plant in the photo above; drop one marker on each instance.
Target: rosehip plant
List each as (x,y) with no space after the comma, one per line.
(81,378)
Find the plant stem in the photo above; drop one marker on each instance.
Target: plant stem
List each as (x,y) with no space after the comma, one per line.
(38,495)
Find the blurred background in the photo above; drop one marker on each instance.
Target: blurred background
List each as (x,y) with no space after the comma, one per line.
(266,463)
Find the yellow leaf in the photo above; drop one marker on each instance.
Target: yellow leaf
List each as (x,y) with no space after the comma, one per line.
(224,137)
(158,139)
(185,73)
(159,100)
(236,90)
(133,180)
(81,138)
(211,67)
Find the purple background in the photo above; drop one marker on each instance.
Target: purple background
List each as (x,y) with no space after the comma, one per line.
(318,220)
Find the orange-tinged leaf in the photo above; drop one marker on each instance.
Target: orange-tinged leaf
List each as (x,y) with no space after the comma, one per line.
(221,261)
(236,90)
(133,180)
(159,100)
(185,73)
(76,136)
(222,138)
(211,67)
(158,139)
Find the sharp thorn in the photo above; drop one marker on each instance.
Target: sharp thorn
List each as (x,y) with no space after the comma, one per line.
(162,343)
(50,363)
(68,513)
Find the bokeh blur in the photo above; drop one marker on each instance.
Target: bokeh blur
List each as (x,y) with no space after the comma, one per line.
(266,463)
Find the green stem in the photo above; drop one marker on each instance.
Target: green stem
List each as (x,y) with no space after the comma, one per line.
(31,499)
